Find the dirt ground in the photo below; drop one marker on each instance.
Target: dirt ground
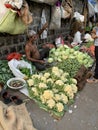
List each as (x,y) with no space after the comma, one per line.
(82,115)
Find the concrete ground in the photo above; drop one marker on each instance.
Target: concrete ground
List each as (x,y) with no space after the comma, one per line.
(82,115)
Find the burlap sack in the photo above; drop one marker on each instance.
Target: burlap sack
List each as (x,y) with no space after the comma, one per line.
(15,118)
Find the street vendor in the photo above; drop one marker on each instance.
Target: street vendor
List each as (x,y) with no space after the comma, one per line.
(95,37)
(35,55)
(78,39)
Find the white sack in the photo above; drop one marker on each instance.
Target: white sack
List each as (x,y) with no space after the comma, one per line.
(15,64)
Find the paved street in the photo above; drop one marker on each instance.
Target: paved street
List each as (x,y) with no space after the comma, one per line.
(82,115)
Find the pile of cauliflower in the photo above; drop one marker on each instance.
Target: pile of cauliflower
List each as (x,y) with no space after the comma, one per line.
(53,88)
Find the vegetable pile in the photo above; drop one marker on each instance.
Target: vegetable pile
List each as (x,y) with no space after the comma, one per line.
(53,90)
(64,52)
(5,72)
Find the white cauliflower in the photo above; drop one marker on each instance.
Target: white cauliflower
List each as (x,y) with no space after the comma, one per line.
(51,103)
(49,80)
(30,82)
(35,91)
(59,82)
(60,107)
(44,79)
(57,97)
(74,88)
(48,94)
(64,98)
(47,75)
(42,85)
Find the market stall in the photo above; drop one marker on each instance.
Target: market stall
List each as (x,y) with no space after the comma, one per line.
(55,88)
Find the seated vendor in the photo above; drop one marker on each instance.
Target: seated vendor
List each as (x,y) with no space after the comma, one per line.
(77,40)
(32,52)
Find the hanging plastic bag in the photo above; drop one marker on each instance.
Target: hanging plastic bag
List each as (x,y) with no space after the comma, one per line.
(66,8)
(64,13)
(15,3)
(43,21)
(78,16)
(50,2)
(55,22)
(3,9)
(11,23)
(25,14)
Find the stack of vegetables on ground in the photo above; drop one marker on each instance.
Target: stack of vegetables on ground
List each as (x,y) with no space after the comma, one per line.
(5,72)
(53,90)
(69,60)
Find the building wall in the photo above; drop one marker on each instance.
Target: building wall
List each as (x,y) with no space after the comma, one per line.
(16,43)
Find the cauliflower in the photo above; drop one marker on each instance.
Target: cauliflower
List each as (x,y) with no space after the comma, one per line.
(69,91)
(42,99)
(64,98)
(74,88)
(49,80)
(36,76)
(47,75)
(42,85)
(48,94)
(43,79)
(51,103)
(30,82)
(74,81)
(67,88)
(35,91)
(55,69)
(63,78)
(57,97)
(59,107)
(59,82)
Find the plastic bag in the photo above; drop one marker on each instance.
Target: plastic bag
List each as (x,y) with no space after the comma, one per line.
(3,9)
(11,23)
(66,8)
(78,16)
(50,2)
(16,3)
(64,13)
(14,66)
(43,21)
(55,22)
(91,9)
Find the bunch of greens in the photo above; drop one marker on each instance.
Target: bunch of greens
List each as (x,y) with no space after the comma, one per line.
(70,65)
(5,72)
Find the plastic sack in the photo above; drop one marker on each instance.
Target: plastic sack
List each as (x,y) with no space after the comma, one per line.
(78,16)
(11,23)
(14,66)
(96,7)
(66,8)
(50,2)
(16,3)
(55,22)
(91,9)
(88,37)
(64,13)
(3,9)
(43,21)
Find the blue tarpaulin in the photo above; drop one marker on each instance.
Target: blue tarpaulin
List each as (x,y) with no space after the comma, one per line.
(93,2)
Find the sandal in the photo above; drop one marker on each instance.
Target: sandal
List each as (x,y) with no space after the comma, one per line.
(92,80)
(7,98)
(16,100)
